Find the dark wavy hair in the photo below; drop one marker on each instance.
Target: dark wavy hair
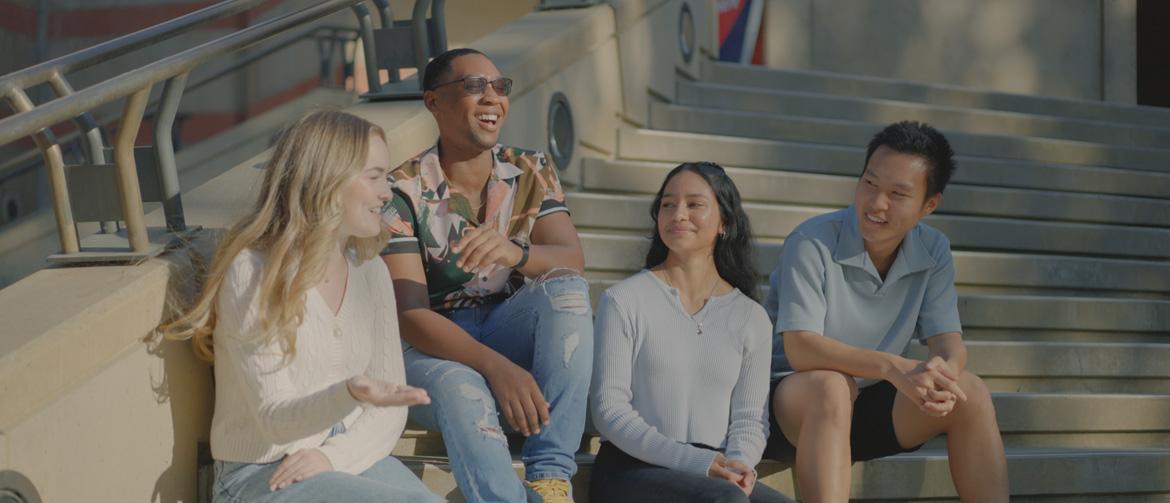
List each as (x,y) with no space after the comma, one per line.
(439,66)
(733,251)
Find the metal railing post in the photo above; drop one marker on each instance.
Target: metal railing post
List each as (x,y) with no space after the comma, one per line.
(55,162)
(93,145)
(164,151)
(127,171)
(440,26)
(368,49)
(418,29)
(385,12)
(387,18)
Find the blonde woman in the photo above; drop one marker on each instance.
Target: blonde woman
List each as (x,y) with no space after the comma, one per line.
(301,326)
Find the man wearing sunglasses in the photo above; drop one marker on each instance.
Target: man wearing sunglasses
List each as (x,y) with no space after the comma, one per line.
(471,220)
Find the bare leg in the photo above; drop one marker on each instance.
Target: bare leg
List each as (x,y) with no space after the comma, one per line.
(815,410)
(974,445)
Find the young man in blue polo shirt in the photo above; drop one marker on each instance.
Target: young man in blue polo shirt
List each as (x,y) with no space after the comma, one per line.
(852,288)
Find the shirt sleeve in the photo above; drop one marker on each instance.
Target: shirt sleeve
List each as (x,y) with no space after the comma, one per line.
(553,197)
(282,413)
(398,220)
(374,433)
(940,305)
(801,303)
(613,413)
(747,431)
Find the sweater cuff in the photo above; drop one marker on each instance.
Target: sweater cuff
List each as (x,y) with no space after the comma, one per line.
(340,459)
(697,461)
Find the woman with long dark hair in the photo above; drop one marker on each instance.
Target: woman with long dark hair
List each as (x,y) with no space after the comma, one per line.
(680,380)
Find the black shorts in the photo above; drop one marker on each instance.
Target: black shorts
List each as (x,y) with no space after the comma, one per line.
(871,435)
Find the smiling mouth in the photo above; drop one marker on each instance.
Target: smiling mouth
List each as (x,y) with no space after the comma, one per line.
(874,219)
(488,119)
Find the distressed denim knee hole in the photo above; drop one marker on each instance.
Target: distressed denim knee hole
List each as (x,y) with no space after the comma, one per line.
(487,424)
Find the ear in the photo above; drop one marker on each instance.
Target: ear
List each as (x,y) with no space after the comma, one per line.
(932,203)
(430,100)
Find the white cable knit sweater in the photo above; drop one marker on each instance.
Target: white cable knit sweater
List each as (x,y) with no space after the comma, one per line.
(266,408)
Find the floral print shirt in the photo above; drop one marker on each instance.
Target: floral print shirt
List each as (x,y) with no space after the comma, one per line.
(522,187)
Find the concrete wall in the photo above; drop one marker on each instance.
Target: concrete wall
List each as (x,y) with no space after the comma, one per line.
(1083,49)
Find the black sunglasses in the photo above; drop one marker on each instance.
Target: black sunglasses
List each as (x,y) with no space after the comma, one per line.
(476,85)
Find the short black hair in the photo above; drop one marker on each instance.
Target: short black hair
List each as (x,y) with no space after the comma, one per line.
(917,138)
(439,66)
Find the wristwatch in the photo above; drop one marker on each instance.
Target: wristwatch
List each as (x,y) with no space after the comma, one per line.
(523,253)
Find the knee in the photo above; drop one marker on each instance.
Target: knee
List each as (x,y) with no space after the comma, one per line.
(458,389)
(833,394)
(979,401)
(567,291)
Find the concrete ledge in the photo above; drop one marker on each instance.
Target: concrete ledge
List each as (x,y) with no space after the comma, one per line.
(671,146)
(876,87)
(877,110)
(784,187)
(849,133)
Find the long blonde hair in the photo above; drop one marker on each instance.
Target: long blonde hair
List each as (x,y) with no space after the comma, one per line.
(294,225)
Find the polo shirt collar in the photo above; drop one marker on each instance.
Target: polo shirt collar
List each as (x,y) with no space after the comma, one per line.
(434,181)
(913,256)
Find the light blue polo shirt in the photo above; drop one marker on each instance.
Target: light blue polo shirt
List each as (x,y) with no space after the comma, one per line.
(827,284)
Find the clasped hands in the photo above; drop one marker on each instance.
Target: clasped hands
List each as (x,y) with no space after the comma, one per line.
(743,476)
(932,385)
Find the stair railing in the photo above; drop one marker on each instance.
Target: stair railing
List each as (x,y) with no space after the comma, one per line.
(90,188)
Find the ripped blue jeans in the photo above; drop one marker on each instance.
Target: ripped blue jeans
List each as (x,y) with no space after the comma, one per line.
(545,327)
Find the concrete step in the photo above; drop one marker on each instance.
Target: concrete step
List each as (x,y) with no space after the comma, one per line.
(1067,367)
(1035,475)
(676,147)
(786,187)
(849,133)
(1024,313)
(631,213)
(1026,420)
(744,98)
(625,254)
(875,87)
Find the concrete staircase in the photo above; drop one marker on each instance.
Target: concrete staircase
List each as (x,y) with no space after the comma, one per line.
(1059,217)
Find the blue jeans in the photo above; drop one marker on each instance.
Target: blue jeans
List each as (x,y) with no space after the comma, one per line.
(387,481)
(545,327)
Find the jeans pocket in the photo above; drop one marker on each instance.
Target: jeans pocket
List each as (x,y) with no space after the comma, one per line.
(230,479)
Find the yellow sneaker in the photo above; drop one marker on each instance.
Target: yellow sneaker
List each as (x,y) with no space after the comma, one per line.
(553,490)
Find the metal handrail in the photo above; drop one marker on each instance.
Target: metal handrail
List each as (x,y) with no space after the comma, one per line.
(105,51)
(11,167)
(64,108)
(34,120)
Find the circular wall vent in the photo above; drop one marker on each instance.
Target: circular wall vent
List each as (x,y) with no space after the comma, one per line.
(561,136)
(686,33)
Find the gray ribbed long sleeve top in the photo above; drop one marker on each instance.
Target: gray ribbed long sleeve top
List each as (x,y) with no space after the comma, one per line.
(659,386)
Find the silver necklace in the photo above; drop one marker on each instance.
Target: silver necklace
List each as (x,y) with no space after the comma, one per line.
(698,322)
